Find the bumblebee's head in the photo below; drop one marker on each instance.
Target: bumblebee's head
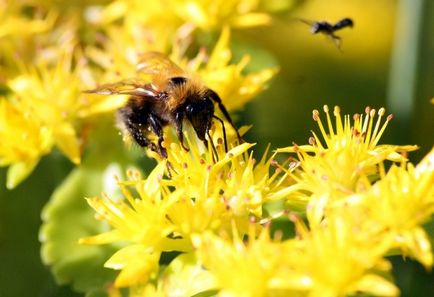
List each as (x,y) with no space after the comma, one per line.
(200,113)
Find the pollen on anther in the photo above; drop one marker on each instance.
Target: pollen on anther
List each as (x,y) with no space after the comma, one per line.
(326,108)
(337,110)
(312,140)
(381,111)
(389,117)
(130,173)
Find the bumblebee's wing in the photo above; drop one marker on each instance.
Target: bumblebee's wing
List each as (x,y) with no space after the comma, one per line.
(133,86)
(157,63)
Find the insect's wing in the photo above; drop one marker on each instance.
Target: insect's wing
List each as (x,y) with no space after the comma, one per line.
(155,63)
(307,22)
(134,86)
(336,40)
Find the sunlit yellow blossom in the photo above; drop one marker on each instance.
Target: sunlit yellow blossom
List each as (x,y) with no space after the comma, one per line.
(23,143)
(239,268)
(338,257)
(236,180)
(204,14)
(122,50)
(401,202)
(50,99)
(142,223)
(136,12)
(13,22)
(149,224)
(51,95)
(337,166)
(209,14)
(206,192)
(17,34)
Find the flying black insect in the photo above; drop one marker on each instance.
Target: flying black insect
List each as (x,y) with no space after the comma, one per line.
(168,97)
(329,29)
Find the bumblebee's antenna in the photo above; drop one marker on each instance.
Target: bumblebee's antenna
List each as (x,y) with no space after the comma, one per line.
(224,132)
(213,95)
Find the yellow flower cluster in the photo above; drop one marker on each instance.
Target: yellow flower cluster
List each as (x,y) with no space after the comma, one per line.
(202,195)
(212,211)
(50,108)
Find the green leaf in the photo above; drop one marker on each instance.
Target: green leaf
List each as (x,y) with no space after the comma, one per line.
(67,217)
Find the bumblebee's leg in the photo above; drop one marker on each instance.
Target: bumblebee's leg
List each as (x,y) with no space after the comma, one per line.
(215,156)
(179,116)
(135,127)
(157,128)
(224,132)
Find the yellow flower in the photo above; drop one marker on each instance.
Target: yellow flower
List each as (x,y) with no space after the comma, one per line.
(208,14)
(121,51)
(338,257)
(136,12)
(401,202)
(51,95)
(24,142)
(241,268)
(13,22)
(204,14)
(52,104)
(140,223)
(338,166)
(207,191)
(18,31)
(235,180)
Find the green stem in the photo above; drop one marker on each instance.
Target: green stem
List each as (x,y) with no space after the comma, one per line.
(404,65)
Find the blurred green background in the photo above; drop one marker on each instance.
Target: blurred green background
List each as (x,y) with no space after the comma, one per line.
(387,60)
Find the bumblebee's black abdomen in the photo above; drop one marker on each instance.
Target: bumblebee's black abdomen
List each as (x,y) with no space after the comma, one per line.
(135,122)
(138,117)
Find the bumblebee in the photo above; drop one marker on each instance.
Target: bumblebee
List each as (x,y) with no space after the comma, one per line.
(168,96)
(329,29)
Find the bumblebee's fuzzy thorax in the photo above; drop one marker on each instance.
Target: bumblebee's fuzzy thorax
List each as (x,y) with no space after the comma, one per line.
(190,90)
